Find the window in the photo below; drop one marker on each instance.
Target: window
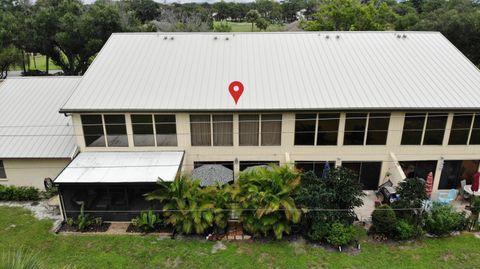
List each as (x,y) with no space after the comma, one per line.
(246,164)
(378,128)
(116,130)
(435,129)
(475,136)
(142,126)
(328,128)
(166,130)
(222,130)
(368,173)
(460,129)
(93,130)
(200,130)
(271,129)
(424,128)
(248,127)
(420,169)
(305,129)
(315,166)
(206,129)
(355,124)
(454,172)
(2,170)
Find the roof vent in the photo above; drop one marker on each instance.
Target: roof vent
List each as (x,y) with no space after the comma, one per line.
(337,37)
(398,35)
(226,38)
(404,36)
(171,38)
(215,38)
(327,36)
(165,37)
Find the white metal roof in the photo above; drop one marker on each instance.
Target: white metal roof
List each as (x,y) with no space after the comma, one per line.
(280,71)
(30,125)
(122,167)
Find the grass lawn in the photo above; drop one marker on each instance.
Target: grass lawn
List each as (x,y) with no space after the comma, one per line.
(247,27)
(106,251)
(40,62)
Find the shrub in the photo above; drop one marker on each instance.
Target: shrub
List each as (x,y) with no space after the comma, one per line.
(443,220)
(475,211)
(222,26)
(269,191)
(84,221)
(341,235)
(384,221)
(406,231)
(339,190)
(50,193)
(189,208)
(22,193)
(147,221)
(412,192)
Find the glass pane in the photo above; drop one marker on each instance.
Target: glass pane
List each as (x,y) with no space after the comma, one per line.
(315,166)
(93,130)
(413,128)
(370,175)
(354,166)
(355,128)
(142,126)
(305,129)
(2,170)
(245,164)
(166,128)
(419,169)
(454,172)
(378,128)
(271,130)
(435,130)
(327,128)
(248,128)
(460,129)
(116,130)
(222,130)
(475,136)
(200,130)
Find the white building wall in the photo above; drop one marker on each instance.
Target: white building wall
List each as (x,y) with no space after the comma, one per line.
(337,154)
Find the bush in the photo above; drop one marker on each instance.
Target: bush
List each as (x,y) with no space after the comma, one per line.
(406,231)
(22,193)
(412,192)
(442,220)
(341,235)
(384,222)
(222,26)
(84,221)
(50,193)
(318,231)
(147,221)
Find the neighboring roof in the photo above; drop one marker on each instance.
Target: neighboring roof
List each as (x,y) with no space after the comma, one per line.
(280,71)
(122,167)
(30,125)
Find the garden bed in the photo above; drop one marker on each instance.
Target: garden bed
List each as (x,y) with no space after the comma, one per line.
(135,230)
(65,228)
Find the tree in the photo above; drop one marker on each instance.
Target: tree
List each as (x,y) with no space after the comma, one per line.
(145,10)
(9,56)
(412,192)
(252,16)
(262,24)
(222,26)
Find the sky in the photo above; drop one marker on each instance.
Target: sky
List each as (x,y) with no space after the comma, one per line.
(186,1)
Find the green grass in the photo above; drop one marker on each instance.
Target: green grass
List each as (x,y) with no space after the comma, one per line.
(247,27)
(38,64)
(106,251)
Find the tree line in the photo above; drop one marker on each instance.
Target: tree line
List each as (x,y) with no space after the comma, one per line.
(70,33)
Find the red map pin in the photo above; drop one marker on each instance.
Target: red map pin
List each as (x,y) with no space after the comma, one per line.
(236,89)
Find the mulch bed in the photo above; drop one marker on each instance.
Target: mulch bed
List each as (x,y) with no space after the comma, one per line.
(93,229)
(132,229)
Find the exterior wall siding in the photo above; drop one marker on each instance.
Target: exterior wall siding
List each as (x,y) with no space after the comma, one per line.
(32,172)
(289,153)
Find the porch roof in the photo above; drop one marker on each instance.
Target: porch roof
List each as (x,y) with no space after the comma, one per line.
(122,167)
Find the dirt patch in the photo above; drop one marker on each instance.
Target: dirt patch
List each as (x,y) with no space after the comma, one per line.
(92,229)
(133,229)
(219,246)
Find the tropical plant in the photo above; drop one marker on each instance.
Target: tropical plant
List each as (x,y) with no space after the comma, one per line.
(187,207)
(339,190)
(148,221)
(98,221)
(266,199)
(84,221)
(252,16)
(442,220)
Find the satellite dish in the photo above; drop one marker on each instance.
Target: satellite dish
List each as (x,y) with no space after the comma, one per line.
(48,183)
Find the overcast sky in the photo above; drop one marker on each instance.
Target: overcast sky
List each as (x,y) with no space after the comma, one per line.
(187,1)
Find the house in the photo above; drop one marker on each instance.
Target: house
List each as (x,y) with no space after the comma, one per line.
(386,104)
(36,142)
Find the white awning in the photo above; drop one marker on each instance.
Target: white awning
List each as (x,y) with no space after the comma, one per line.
(122,167)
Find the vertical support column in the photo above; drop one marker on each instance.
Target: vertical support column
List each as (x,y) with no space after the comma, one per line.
(128,123)
(288,130)
(236,130)
(438,174)
(341,128)
(448,127)
(183,139)
(78,131)
(394,137)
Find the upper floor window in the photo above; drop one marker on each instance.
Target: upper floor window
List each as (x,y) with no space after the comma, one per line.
(266,128)
(323,126)
(93,130)
(366,128)
(206,129)
(146,133)
(2,170)
(424,128)
(465,129)
(116,130)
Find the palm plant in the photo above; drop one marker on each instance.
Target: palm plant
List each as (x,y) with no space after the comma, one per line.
(265,198)
(189,208)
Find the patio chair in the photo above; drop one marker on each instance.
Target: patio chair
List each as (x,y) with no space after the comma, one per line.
(447,198)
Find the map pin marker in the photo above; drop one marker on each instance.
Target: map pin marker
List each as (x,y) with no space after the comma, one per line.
(236,89)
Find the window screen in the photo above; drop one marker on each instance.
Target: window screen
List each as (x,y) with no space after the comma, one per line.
(116,130)
(142,126)
(460,129)
(222,130)
(93,130)
(271,130)
(355,128)
(305,129)
(3,174)
(328,128)
(413,128)
(166,130)
(248,128)
(200,130)
(378,128)
(435,129)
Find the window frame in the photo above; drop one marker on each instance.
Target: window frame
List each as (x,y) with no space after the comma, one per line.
(315,132)
(3,171)
(106,133)
(368,129)
(260,129)
(424,128)
(210,115)
(154,128)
